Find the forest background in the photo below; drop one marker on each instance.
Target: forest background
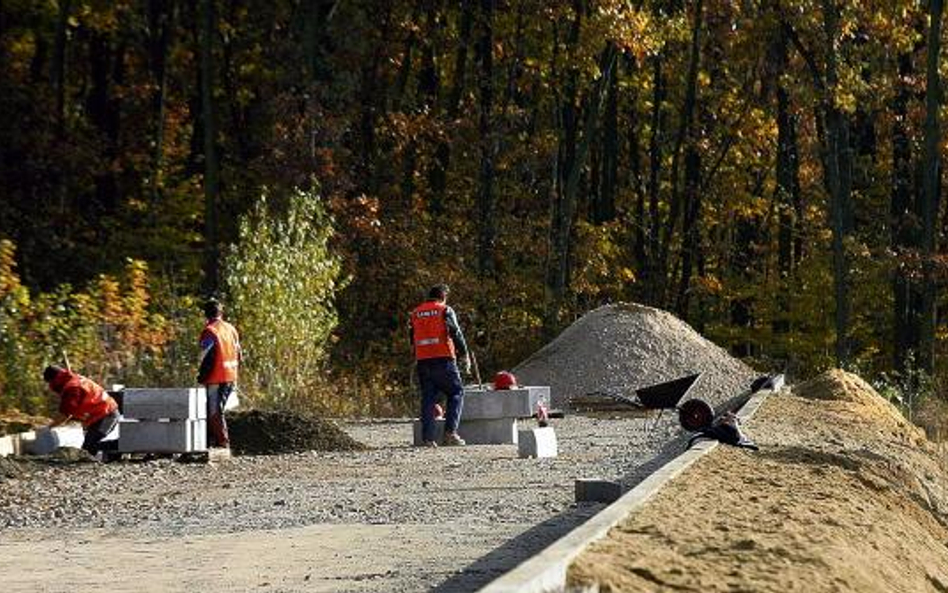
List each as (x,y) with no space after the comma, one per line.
(768,170)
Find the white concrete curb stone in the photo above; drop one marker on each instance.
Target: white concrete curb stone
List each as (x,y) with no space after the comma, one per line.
(537,442)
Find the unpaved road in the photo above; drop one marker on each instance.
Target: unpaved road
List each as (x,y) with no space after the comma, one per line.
(393,518)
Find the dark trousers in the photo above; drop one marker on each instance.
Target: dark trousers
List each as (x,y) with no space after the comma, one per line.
(217,433)
(98,431)
(437,376)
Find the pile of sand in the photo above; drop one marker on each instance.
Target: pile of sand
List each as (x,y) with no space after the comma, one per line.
(837,499)
(848,391)
(620,348)
(262,432)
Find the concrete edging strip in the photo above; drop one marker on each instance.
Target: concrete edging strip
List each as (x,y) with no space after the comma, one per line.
(546,572)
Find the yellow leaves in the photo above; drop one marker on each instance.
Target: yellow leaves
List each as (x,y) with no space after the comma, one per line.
(633,30)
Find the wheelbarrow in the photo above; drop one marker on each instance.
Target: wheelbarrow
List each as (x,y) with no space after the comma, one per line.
(668,396)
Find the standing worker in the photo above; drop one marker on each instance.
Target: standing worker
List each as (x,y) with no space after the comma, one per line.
(437,341)
(82,399)
(220,357)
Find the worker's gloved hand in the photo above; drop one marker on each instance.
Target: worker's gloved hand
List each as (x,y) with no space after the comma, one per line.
(466,365)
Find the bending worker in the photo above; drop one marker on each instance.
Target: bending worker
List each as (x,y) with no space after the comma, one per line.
(84,400)
(220,358)
(437,342)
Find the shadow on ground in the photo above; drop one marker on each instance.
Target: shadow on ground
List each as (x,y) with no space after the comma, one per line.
(536,539)
(527,544)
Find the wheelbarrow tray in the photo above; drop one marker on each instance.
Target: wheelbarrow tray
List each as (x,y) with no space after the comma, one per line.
(666,395)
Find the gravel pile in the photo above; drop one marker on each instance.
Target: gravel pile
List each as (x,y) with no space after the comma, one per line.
(262,432)
(619,348)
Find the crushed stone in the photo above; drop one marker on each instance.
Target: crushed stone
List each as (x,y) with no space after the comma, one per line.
(619,348)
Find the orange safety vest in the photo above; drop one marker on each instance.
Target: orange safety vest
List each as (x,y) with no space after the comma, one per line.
(82,398)
(430,331)
(228,351)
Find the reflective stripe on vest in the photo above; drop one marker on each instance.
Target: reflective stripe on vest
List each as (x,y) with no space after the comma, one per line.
(430,331)
(225,360)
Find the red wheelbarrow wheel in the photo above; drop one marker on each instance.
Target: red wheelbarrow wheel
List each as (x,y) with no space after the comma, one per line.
(695,415)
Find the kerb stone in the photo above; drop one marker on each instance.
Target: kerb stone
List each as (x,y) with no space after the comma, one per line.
(596,490)
(488,404)
(178,403)
(176,436)
(499,431)
(537,442)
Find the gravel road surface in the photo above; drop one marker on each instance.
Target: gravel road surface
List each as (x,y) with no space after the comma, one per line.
(392,518)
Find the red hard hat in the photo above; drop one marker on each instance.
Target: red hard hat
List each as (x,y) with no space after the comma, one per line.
(504,380)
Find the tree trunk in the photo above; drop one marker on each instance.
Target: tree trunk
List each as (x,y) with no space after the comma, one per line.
(211,159)
(605,208)
(652,272)
(486,207)
(161,23)
(931,194)
(903,223)
(838,181)
(683,138)
(565,206)
(438,173)
(691,228)
(787,191)
(636,181)
(57,70)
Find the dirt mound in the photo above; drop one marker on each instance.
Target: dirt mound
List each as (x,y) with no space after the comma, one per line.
(260,432)
(839,386)
(623,347)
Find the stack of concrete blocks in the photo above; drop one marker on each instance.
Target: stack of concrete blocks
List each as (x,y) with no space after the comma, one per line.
(163,421)
(490,416)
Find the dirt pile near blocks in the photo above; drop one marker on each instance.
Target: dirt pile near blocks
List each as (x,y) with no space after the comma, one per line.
(623,347)
(844,495)
(266,432)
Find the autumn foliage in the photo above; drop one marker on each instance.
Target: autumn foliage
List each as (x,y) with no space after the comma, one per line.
(769,171)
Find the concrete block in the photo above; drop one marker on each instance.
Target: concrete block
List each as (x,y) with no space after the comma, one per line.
(22,441)
(6,446)
(498,431)
(177,403)
(48,440)
(485,404)
(596,490)
(537,442)
(173,436)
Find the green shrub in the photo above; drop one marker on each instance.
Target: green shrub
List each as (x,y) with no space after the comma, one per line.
(280,281)
(109,330)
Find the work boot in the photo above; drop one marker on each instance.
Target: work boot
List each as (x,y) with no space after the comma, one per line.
(451,439)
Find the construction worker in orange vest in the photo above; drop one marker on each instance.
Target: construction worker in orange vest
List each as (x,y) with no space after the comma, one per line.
(84,400)
(220,359)
(437,342)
